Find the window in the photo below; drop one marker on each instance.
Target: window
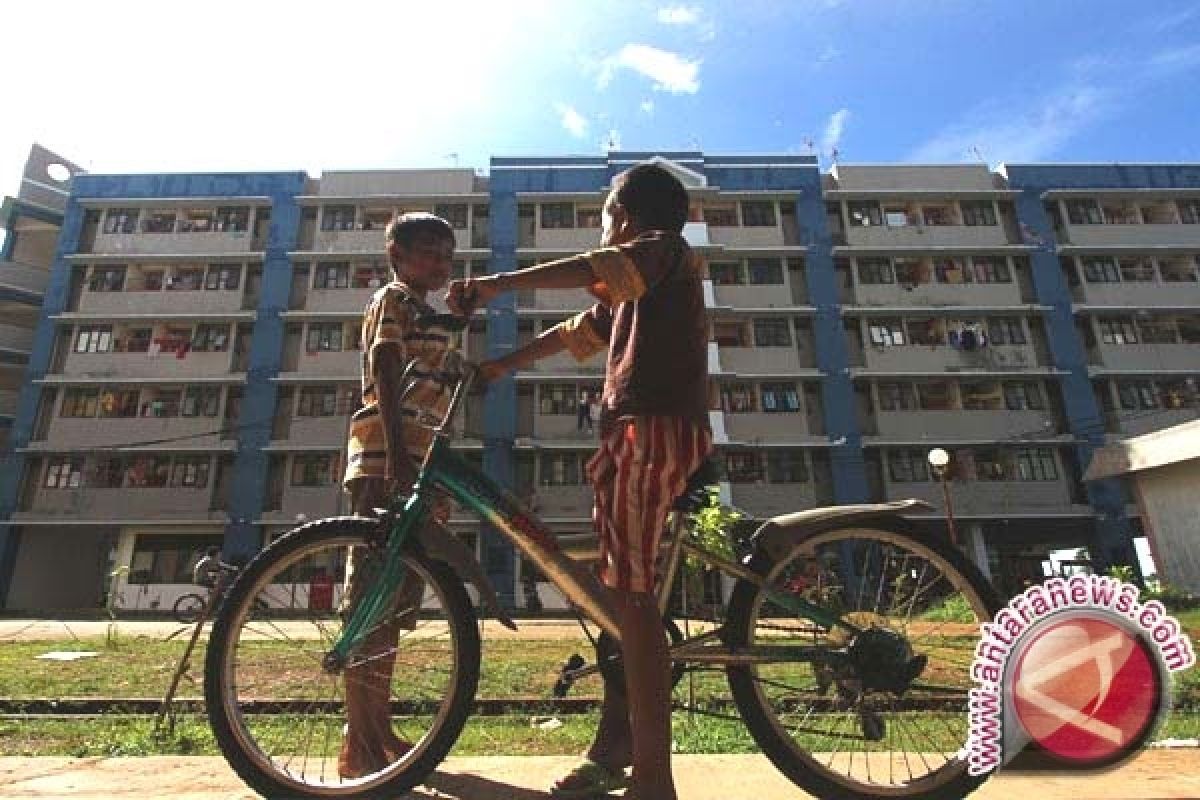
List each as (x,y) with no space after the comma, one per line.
(934,396)
(159,222)
(909,272)
(1178,394)
(152,280)
(780,397)
(318,401)
(560,469)
(148,472)
(990,465)
(928,332)
(164,403)
(109,473)
(118,403)
(337,218)
(167,558)
(332,275)
(93,339)
(886,332)
(721,216)
(1084,211)
(558,215)
(1189,329)
(558,398)
(907,466)
(729,334)
(1179,270)
(211,338)
(589,217)
(313,469)
(1036,464)
(1136,270)
(982,213)
(743,466)
(376,219)
(765,271)
(1117,330)
(981,396)
(937,215)
(725,273)
(233,219)
(199,221)
(190,472)
(201,401)
(454,213)
(324,336)
(787,466)
(64,473)
(896,217)
(1006,330)
(875,270)
(137,340)
(1189,211)
(1023,397)
(758,214)
(993,269)
(79,403)
(121,220)
(897,397)
(1158,332)
(864,214)
(772,333)
(1100,270)
(223,276)
(1135,395)
(107,279)
(188,279)
(737,398)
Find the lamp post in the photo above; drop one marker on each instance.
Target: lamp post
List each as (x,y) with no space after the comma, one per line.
(939,461)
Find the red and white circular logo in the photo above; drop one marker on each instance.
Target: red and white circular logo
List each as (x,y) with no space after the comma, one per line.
(1087,690)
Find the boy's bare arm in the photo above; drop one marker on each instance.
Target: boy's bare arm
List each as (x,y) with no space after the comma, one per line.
(547,344)
(389,366)
(464,296)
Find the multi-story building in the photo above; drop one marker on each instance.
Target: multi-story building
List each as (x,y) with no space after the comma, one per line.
(197,355)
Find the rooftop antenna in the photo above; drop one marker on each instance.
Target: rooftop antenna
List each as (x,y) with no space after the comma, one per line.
(452,157)
(975,151)
(809,146)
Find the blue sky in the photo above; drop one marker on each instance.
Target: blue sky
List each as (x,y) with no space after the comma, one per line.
(135,86)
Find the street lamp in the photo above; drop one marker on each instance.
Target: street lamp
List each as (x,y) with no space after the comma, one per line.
(939,460)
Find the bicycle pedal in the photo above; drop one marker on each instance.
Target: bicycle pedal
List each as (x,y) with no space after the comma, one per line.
(564,682)
(873,726)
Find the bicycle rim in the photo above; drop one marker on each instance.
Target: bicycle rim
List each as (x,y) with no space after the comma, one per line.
(845,729)
(284,717)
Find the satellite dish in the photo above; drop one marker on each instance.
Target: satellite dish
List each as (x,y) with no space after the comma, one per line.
(58,172)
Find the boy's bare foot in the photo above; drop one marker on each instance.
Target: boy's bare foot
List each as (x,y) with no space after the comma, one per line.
(358,761)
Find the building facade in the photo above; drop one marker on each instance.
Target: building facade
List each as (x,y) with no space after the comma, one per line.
(196,355)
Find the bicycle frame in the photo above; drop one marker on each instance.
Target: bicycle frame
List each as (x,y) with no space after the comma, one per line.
(445,470)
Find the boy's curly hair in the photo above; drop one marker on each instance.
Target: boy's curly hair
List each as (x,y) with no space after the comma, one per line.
(407,229)
(653,197)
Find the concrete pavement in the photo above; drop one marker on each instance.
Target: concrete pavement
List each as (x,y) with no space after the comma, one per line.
(1154,775)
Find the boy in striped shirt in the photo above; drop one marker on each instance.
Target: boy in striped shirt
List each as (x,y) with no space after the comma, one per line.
(653,434)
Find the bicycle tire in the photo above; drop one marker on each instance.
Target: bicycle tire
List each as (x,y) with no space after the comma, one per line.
(803,766)
(247,756)
(188,607)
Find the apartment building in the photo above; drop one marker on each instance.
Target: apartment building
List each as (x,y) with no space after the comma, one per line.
(197,356)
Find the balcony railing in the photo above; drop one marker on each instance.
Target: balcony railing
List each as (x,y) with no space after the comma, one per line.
(23,278)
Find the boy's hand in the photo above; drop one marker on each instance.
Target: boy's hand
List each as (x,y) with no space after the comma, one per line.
(464,296)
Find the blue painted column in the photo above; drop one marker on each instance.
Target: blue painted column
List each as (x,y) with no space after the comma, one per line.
(248,492)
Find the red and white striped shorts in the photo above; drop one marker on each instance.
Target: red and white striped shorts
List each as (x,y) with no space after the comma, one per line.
(642,465)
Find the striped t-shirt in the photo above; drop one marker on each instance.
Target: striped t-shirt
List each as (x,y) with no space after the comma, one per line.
(391,317)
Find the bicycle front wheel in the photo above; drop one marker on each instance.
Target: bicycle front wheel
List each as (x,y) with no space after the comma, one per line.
(280,718)
(880,713)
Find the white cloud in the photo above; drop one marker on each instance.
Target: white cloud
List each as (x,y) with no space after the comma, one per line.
(679,15)
(1174,59)
(575,123)
(647,106)
(834,129)
(828,55)
(670,71)
(1000,135)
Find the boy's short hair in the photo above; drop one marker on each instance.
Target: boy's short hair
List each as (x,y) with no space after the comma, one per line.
(653,197)
(406,229)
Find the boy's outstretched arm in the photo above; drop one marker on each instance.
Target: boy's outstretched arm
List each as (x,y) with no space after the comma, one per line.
(547,344)
(464,296)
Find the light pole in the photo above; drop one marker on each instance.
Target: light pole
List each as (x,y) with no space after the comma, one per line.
(939,460)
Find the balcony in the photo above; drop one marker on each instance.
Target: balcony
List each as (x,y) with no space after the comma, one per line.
(165,365)
(369,241)
(917,236)
(299,364)
(317,432)
(122,505)
(942,358)
(990,498)
(561,427)
(741,236)
(1114,235)
(1135,423)
(313,502)
(160,301)
(15,338)
(761,361)
(565,364)
(8,402)
(1138,294)
(567,240)
(758,426)
(338,301)
(573,502)
(764,296)
(918,426)
(565,300)
(21,278)
(1143,357)
(172,243)
(67,433)
(895,295)
(772,499)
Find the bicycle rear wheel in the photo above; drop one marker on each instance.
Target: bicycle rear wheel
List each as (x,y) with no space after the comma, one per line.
(886,714)
(279,717)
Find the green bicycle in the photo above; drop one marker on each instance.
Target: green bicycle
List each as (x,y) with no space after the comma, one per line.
(846,642)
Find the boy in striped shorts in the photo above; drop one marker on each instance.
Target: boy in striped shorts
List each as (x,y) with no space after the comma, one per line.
(653,434)
(387,443)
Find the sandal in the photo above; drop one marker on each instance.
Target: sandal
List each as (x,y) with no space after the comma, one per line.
(587,780)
